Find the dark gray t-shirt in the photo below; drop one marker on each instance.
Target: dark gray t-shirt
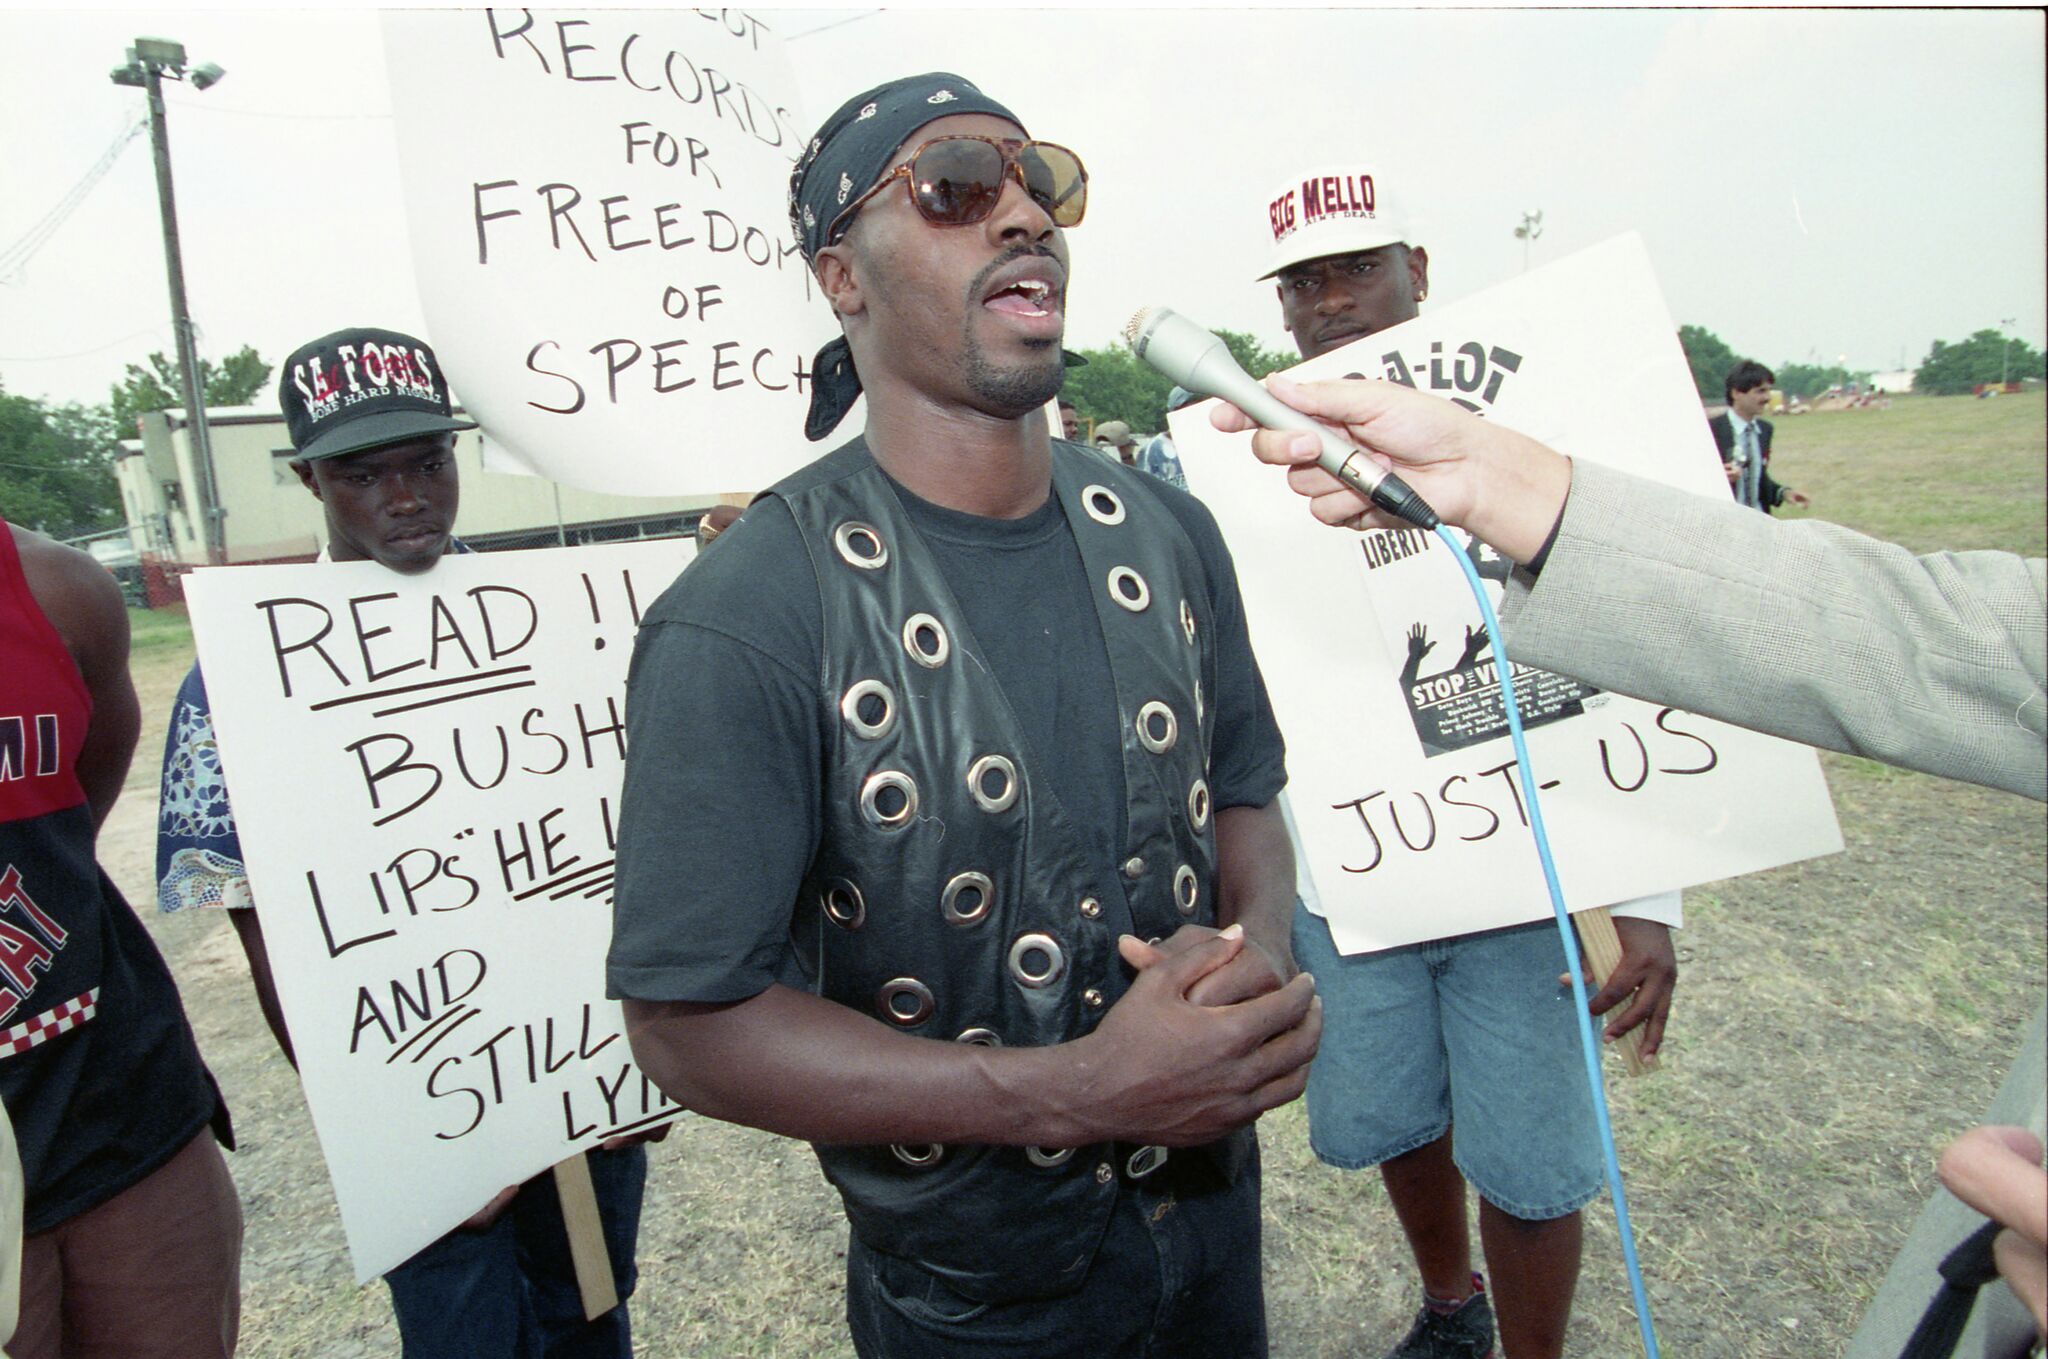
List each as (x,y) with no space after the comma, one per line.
(726,728)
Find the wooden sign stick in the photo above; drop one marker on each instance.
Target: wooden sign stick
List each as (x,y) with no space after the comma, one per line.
(586,1236)
(1602,949)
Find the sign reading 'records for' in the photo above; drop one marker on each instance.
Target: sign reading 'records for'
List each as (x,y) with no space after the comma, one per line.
(598,204)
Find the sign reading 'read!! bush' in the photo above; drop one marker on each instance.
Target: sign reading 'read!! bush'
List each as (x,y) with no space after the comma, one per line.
(425,773)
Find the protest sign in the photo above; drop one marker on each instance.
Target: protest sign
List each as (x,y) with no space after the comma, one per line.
(600,231)
(425,774)
(1402,785)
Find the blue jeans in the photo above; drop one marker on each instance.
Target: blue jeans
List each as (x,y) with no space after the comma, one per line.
(509,1291)
(1472,1034)
(1176,1277)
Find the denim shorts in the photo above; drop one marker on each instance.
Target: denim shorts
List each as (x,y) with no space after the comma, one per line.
(1471,1034)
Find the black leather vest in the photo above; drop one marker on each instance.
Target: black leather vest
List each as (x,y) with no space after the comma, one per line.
(951,896)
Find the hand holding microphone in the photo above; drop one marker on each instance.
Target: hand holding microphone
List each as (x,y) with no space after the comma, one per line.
(1503,486)
(1200,362)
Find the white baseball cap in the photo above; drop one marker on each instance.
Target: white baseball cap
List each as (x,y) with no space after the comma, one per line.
(1336,210)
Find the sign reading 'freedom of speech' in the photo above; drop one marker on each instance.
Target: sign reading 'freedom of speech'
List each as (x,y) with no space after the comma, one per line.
(598,211)
(432,852)
(1401,782)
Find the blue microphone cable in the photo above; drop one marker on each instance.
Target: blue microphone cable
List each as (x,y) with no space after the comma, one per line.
(1202,363)
(1573,965)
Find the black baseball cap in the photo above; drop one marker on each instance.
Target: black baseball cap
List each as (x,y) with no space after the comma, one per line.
(363,388)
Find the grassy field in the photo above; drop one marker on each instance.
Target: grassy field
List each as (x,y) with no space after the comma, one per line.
(1932,473)
(1836,1022)
(157,630)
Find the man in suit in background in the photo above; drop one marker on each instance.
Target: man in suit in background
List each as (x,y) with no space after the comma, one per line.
(1744,438)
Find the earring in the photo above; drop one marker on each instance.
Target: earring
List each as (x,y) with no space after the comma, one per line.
(1421,293)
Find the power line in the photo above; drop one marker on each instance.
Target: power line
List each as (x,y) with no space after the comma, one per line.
(16,257)
(266,113)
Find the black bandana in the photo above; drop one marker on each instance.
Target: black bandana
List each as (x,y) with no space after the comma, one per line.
(854,148)
(858,142)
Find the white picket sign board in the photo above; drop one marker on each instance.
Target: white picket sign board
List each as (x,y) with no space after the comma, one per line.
(598,206)
(1401,779)
(425,773)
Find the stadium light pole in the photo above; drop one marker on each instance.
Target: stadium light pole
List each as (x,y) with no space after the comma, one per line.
(1528,231)
(150,61)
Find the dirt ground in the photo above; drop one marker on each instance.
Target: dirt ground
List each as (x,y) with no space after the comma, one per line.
(1836,1021)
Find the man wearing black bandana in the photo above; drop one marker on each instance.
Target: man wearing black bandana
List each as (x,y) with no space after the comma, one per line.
(990,900)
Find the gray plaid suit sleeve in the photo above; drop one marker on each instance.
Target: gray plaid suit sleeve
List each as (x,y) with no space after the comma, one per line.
(1802,629)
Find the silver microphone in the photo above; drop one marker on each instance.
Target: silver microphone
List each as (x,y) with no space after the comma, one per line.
(1200,362)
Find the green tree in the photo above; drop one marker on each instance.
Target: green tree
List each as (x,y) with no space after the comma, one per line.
(1254,357)
(234,382)
(1115,385)
(1955,369)
(57,467)
(1710,359)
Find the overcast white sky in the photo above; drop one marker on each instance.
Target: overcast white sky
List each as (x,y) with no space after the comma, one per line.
(1810,183)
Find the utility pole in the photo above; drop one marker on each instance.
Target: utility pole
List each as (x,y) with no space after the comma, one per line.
(150,60)
(2005,350)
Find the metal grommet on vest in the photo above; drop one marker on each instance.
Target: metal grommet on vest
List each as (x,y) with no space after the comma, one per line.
(1198,804)
(1093,997)
(968,898)
(1187,621)
(1158,728)
(1185,890)
(1144,1161)
(992,783)
(1129,589)
(921,1155)
(859,545)
(869,708)
(1104,1172)
(924,637)
(1091,908)
(1048,1157)
(841,901)
(1103,505)
(1052,960)
(882,810)
(890,1000)
(980,1037)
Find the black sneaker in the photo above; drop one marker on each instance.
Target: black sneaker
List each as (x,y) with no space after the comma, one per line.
(1464,1334)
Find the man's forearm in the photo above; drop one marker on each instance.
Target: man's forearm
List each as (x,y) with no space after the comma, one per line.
(250,931)
(1255,879)
(792,1063)
(1158,1069)
(1523,493)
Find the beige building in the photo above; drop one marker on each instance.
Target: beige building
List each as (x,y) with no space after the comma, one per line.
(270,517)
